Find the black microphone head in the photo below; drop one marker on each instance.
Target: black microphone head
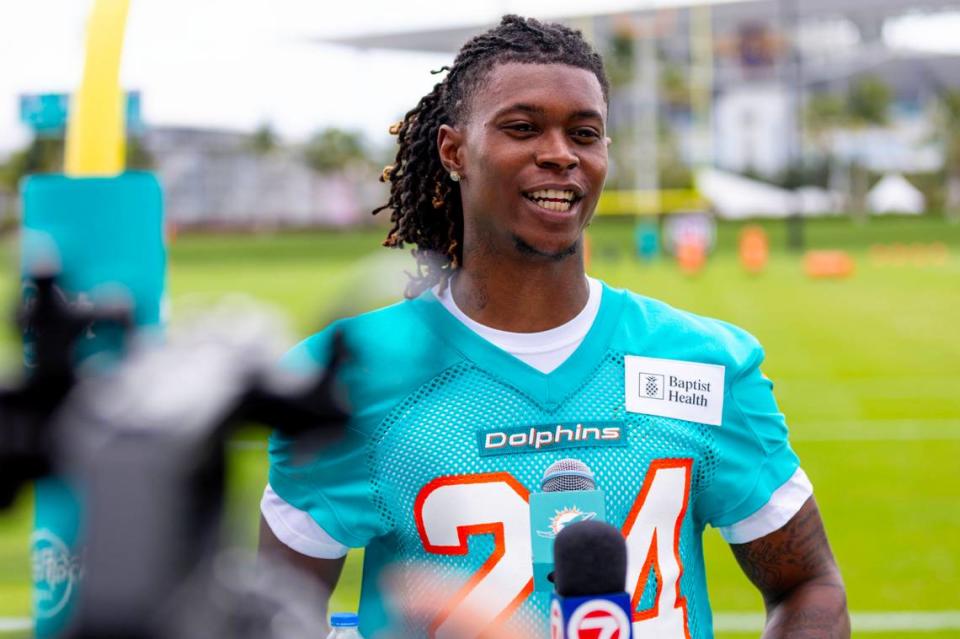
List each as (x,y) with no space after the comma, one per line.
(567,474)
(589,558)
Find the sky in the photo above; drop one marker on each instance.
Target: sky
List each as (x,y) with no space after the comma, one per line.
(240,63)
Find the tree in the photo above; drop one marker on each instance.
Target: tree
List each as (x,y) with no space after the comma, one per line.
(138,155)
(264,139)
(866,103)
(948,121)
(823,114)
(333,149)
(869,101)
(949,124)
(620,57)
(41,155)
(674,85)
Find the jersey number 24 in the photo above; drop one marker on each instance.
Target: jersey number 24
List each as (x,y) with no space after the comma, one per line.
(449,510)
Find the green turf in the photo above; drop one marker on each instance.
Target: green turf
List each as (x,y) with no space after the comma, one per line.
(865,369)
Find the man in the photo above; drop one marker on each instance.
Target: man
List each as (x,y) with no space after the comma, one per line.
(511,358)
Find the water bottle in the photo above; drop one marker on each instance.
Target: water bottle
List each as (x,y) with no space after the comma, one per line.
(343,625)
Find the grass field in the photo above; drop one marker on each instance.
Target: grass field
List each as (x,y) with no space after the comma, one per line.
(867,371)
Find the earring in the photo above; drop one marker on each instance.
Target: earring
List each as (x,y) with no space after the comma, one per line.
(454,176)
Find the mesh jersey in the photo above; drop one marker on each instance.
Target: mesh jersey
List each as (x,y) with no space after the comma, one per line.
(415,479)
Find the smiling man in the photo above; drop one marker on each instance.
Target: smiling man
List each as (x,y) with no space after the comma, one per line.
(507,357)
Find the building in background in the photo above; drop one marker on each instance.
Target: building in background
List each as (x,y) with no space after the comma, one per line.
(217,178)
(804,101)
(225,179)
(734,82)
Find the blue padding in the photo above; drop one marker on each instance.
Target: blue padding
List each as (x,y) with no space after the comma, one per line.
(108,237)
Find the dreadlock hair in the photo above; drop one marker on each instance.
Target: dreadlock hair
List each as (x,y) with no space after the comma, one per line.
(424,203)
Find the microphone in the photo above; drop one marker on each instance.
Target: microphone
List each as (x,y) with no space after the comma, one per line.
(567,475)
(568,495)
(590,601)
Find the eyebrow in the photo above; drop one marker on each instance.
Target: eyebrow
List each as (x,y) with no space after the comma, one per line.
(536,110)
(525,108)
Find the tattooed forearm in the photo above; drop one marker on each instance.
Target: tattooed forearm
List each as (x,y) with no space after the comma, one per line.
(812,615)
(795,571)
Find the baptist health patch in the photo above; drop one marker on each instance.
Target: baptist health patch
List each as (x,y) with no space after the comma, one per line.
(673,388)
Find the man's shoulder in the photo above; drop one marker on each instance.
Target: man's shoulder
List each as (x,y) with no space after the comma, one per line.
(662,330)
(391,331)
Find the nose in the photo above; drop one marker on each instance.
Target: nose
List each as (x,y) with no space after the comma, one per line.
(555,153)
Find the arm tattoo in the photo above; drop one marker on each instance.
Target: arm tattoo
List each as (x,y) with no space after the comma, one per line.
(795,572)
(798,550)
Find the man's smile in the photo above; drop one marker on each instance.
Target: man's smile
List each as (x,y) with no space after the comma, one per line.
(554,199)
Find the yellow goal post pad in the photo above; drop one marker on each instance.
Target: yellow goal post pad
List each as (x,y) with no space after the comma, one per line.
(96,129)
(629,202)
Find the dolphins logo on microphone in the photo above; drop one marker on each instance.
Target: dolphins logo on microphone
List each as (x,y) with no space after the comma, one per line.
(563,518)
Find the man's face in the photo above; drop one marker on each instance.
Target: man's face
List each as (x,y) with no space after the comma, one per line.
(533,153)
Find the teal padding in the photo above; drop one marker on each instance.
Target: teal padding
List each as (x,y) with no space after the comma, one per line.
(549,514)
(104,238)
(108,238)
(55,556)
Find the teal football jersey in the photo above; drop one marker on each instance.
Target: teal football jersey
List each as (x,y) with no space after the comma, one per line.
(450,435)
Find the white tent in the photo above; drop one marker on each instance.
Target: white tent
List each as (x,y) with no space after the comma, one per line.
(895,194)
(815,201)
(735,197)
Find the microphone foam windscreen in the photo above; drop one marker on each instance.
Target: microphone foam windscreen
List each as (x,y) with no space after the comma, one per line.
(590,558)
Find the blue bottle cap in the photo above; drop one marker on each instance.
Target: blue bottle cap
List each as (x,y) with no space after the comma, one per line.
(344,619)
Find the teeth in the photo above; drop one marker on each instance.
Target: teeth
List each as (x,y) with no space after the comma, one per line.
(553,206)
(552,194)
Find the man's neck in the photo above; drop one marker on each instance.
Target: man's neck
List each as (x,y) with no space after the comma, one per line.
(520,295)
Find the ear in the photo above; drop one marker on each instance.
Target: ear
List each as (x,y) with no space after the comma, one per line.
(450,147)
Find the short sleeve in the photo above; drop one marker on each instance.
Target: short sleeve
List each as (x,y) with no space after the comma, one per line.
(785,502)
(297,529)
(754,456)
(330,482)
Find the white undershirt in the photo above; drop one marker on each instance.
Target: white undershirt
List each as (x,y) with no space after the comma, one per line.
(544,351)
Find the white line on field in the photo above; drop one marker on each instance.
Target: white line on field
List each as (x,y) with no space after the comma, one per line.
(862,622)
(15,624)
(879,430)
(878,422)
(866,437)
